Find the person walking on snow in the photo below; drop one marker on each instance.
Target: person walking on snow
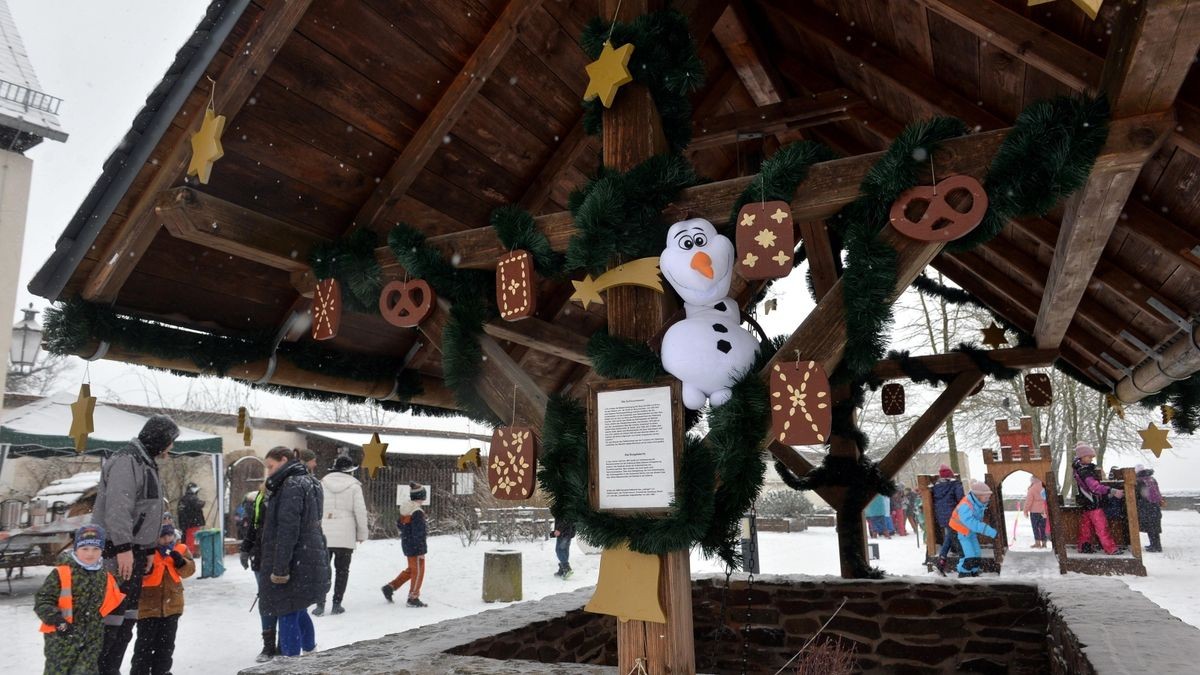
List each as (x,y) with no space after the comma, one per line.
(161,605)
(897,511)
(1149,507)
(564,531)
(876,514)
(967,522)
(129,508)
(251,550)
(191,516)
(413,533)
(294,565)
(1089,495)
(1035,508)
(344,524)
(72,602)
(947,493)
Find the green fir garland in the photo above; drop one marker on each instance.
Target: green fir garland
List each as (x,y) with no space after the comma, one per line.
(351,260)
(664,59)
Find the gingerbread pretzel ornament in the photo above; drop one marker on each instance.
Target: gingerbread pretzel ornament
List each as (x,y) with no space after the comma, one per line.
(405,304)
(941,221)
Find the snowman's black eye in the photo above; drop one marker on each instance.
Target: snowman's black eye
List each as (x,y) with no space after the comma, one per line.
(685,243)
(700,240)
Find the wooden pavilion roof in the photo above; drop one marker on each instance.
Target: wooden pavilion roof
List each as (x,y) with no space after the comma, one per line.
(345,114)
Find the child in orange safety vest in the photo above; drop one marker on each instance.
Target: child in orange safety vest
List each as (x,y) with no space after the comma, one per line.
(161,605)
(73,599)
(967,521)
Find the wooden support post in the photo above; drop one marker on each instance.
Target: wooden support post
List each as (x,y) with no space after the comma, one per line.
(633,134)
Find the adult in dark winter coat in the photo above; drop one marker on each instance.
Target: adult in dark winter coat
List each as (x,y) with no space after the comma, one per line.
(191,515)
(294,566)
(947,493)
(1149,507)
(413,533)
(251,558)
(129,506)
(344,524)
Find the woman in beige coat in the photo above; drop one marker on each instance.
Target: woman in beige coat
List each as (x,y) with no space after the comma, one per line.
(344,524)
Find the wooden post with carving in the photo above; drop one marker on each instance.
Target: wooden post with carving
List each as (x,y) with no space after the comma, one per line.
(633,134)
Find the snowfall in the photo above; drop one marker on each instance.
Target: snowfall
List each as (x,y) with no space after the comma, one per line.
(219,632)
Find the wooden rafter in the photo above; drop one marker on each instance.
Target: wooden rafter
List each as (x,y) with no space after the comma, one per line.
(1144,69)
(212,222)
(956,362)
(230,92)
(930,421)
(775,118)
(452,104)
(747,55)
(542,336)
(569,150)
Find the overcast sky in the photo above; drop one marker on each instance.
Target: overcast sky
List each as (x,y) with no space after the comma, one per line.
(102,59)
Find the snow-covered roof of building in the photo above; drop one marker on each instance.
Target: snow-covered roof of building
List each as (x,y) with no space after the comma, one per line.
(407,444)
(23,104)
(68,490)
(40,429)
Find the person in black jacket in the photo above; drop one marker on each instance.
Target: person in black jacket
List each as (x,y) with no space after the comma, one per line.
(191,516)
(251,550)
(293,563)
(564,531)
(129,507)
(413,533)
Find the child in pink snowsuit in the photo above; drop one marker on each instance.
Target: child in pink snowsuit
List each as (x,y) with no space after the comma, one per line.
(1088,494)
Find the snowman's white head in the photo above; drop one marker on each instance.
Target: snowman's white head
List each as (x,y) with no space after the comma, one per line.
(697,261)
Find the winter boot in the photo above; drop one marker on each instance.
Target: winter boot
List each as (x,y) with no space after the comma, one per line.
(319,610)
(416,602)
(269,651)
(1086,549)
(567,572)
(942,564)
(337,608)
(969,573)
(559,573)
(387,592)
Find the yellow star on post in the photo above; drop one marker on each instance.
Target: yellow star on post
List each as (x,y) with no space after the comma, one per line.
(373,455)
(82,417)
(993,336)
(1154,439)
(607,73)
(206,146)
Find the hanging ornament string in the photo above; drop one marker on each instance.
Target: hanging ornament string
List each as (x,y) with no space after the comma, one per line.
(616,13)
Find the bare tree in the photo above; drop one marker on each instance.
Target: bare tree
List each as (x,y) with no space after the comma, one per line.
(42,472)
(343,411)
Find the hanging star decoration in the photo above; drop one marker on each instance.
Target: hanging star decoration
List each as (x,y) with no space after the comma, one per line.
(1089,7)
(206,145)
(993,336)
(641,272)
(608,72)
(1154,439)
(83,417)
(374,455)
(1115,404)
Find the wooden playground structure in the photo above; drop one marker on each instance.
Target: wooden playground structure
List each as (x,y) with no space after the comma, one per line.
(1017,452)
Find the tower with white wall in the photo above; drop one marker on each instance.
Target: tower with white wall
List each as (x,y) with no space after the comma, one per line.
(27,117)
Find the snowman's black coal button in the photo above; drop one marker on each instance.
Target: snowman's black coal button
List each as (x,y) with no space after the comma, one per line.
(720,328)
(724,346)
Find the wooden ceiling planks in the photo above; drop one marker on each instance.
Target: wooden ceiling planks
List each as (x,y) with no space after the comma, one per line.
(955,57)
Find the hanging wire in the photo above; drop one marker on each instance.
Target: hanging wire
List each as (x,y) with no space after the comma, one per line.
(814,637)
(613,27)
(212,91)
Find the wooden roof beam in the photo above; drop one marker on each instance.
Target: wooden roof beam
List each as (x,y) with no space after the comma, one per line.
(214,223)
(776,118)
(569,150)
(542,336)
(1152,48)
(951,363)
(747,55)
(230,92)
(930,421)
(1025,39)
(450,107)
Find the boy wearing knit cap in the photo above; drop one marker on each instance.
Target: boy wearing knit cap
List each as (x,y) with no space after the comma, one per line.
(71,603)
(161,605)
(1089,496)
(967,521)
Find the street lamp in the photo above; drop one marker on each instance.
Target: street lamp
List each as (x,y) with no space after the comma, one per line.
(26,341)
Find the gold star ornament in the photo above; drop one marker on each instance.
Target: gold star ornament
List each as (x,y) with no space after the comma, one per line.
(1154,439)
(206,146)
(607,73)
(993,336)
(83,412)
(373,455)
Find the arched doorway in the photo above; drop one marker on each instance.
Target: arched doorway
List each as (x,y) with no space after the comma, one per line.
(243,477)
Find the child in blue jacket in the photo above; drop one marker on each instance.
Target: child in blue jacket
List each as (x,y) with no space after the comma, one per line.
(967,521)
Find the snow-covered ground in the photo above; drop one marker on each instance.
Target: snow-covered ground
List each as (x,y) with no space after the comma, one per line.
(219,634)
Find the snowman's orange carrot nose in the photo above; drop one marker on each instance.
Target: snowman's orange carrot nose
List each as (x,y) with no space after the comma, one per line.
(702,264)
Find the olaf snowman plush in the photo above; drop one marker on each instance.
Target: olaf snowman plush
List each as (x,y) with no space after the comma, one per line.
(709,350)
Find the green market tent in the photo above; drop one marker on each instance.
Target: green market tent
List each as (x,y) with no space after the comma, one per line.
(39,429)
